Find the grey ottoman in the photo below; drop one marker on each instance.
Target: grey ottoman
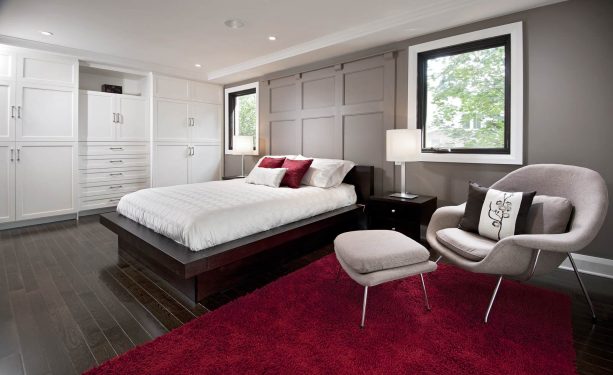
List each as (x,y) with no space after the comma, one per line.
(373,257)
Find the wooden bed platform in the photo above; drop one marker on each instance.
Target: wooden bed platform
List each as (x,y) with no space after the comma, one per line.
(199,274)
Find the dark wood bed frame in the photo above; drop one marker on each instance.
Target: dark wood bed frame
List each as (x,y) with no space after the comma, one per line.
(197,275)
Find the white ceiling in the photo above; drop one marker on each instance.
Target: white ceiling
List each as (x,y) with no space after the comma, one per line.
(171,36)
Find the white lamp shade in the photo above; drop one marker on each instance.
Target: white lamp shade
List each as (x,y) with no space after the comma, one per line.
(242,144)
(403,145)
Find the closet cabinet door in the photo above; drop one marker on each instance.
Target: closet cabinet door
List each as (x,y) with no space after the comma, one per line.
(206,126)
(7,182)
(133,124)
(7,111)
(205,163)
(171,120)
(45,113)
(45,179)
(7,63)
(171,165)
(47,69)
(96,116)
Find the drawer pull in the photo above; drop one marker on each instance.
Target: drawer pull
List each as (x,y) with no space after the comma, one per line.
(116,174)
(115,187)
(393,210)
(116,161)
(114,200)
(116,148)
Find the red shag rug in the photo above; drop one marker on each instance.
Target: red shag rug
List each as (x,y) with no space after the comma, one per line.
(306,323)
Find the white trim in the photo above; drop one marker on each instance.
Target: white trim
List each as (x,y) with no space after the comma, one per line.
(590,265)
(253,85)
(517,90)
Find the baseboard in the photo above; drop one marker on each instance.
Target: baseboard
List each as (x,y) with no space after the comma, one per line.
(590,265)
(42,220)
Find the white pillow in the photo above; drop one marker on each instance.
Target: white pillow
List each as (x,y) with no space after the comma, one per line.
(266,176)
(326,173)
(274,157)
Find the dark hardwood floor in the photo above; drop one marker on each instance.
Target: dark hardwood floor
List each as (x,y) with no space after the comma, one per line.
(68,303)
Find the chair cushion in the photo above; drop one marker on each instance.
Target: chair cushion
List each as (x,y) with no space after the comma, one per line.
(368,251)
(549,215)
(469,245)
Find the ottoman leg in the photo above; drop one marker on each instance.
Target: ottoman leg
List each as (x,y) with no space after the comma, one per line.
(423,285)
(364,306)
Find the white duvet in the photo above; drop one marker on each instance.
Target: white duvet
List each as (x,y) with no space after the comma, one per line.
(211,213)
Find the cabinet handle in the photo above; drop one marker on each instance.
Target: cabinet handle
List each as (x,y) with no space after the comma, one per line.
(114,121)
(116,174)
(116,161)
(116,148)
(12,111)
(18,154)
(114,200)
(12,154)
(119,118)
(19,112)
(193,151)
(115,187)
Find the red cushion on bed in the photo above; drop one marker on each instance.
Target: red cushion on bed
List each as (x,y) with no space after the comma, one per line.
(296,169)
(271,162)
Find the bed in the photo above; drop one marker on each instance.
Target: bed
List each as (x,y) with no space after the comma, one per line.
(201,238)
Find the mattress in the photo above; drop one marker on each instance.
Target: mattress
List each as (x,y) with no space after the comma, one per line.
(203,215)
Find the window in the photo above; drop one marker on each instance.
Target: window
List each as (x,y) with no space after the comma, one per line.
(468,96)
(241,114)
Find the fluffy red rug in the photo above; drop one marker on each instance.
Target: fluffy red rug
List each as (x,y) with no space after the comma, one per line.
(306,323)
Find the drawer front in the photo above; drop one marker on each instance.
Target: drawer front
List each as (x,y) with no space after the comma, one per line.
(121,161)
(111,150)
(394,211)
(99,202)
(408,228)
(113,176)
(119,188)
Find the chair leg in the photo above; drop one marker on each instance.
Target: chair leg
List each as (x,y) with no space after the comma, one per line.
(423,285)
(438,259)
(587,296)
(489,307)
(364,306)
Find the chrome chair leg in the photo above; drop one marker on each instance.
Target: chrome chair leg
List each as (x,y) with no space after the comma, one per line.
(489,307)
(587,296)
(364,306)
(423,285)
(438,259)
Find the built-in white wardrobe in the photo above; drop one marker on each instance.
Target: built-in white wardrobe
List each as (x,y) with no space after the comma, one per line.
(38,134)
(187,117)
(114,136)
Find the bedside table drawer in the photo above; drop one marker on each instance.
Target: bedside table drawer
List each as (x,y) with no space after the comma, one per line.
(393,211)
(409,228)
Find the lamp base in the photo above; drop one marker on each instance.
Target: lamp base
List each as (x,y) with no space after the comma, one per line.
(404,195)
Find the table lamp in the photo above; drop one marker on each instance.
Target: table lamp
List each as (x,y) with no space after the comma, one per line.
(403,145)
(242,145)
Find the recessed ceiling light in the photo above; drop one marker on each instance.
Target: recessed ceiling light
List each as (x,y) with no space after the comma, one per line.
(46,33)
(234,23)
(198,65)
(272,37)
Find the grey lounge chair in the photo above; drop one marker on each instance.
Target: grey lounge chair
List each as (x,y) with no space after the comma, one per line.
(527,255)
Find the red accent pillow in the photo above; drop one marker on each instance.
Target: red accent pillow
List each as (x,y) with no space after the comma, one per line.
(271,162)
(296,169)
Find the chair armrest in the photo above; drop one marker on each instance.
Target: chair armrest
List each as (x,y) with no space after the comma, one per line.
(445,217)
(562,242)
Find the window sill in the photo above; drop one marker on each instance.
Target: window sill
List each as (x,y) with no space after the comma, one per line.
(472,158)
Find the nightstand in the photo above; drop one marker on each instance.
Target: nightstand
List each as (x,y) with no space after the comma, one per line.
(224,178)
(402,215)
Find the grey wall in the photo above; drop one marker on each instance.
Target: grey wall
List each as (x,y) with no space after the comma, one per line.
(568,100)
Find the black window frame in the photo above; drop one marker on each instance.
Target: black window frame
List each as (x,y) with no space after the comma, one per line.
(477,45)
(231,113)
